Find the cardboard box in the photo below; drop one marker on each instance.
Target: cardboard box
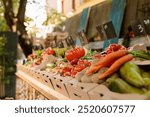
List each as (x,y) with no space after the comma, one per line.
(78,90)
(46,78)
(101,92)
(59,84)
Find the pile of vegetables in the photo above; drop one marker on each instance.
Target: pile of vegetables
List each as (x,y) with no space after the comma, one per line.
(130,79)
(73,57)
(106,66)
(73,70)
(114,67)
(60,60)
(38,57)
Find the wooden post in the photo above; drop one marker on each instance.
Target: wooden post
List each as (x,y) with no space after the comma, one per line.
(2,76)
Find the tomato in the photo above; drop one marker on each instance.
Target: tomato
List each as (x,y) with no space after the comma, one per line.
(81,62)
(84,62)
(75,53)
(74,62)
(73,73)
(69,55)
(66,71)
(114,47)
(49,51)
(66,74)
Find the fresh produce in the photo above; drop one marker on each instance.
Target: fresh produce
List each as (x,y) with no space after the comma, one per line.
(116,65)
(95,77)
(107,61)
(146,78)
(86,79)
(81,64)
(147,83)
(131,73)
(90,54)
(44,61)
(74,62)
(60,52)
(48,51)
(141,54)
(114,47)
(66,71)
(120,86)
(79,75)
(112,67)
(145,74)
(31,57)
(112,57)
(98,56)
(75,53)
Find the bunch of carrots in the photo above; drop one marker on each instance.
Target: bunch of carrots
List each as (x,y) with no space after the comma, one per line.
(113,60)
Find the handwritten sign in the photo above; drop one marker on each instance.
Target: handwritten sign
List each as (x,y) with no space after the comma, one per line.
(106,30)
(70,41)
(138,28)
(146,22)
(109,30)
(60,44)
(82,37)
(101,32)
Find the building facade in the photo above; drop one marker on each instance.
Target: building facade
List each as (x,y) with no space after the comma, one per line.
(64,6)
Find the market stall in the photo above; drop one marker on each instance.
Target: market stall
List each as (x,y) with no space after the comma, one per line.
(79,73)
(92,60)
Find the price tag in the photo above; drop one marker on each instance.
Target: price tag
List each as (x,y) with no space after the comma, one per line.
(138,28)
(70,41)
(82,37)
(101,32)
(60,44)
(108,33)
(53,44)
(107,30)
(37,47)
(146,22)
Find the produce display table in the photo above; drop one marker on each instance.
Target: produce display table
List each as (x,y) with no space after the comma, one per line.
(55,87)
(43,89)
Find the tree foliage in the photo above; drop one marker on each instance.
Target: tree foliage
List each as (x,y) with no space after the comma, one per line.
(53,17)
(13,13)
(3,25)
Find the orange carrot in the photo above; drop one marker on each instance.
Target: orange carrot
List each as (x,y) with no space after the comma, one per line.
(112,57)
(92,70)
(96,68)
(106,61)
(116,65)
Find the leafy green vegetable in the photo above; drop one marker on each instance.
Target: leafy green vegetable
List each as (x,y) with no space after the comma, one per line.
(89,55)
(140,54)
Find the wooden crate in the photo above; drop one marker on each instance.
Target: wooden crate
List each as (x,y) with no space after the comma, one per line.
(101,92)
(78,90)
(59,84)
